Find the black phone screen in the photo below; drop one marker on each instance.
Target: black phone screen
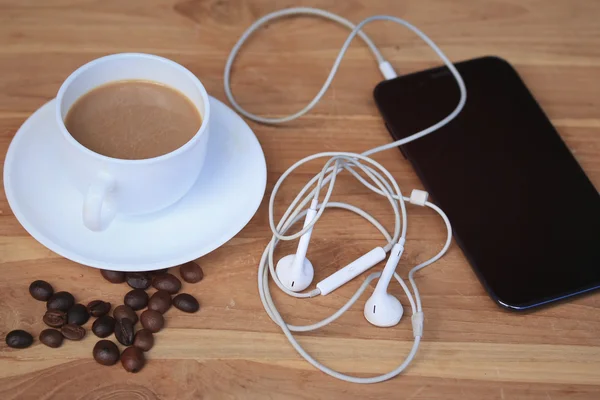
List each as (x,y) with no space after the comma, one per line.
(522,209)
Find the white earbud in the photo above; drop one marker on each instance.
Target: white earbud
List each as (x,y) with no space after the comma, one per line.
(382,309)
(295,271)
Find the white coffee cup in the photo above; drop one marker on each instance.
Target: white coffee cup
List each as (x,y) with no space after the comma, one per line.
(112,186)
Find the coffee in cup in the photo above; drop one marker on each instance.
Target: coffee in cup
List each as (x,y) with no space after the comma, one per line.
(133,119)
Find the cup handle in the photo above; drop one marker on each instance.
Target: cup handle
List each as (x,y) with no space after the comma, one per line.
(98,210)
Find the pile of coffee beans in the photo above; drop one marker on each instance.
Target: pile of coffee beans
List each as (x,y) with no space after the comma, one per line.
(62,315)
(66,318)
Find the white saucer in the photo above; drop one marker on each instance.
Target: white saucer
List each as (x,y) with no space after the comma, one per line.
(223,200)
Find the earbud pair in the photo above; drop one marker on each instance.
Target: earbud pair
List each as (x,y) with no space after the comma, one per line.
(296,272)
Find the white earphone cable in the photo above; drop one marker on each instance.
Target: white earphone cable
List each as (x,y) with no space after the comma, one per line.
(379,181)
(292,12)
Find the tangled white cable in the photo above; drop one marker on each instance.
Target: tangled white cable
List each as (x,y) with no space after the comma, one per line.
(294,273)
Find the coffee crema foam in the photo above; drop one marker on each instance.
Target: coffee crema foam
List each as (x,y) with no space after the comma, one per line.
(133,119)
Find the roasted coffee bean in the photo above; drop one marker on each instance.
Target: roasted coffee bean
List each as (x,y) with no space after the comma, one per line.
(138,280)
(106,352)
(55,318)
(41,290)
(124,331)
(19,339)
(103,326)
(136,299)
(191,272)
(51,338)
(160,301)
(124,311)
(186,302)
(144,340)
(98,308)
(152,320)
(62,301)
(133,359)
(78,314)
(73,331)
(167,282)
(113,276)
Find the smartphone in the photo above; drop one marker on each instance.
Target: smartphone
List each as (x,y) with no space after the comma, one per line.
(522,209)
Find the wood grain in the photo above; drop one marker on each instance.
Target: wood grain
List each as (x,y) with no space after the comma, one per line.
(231,349)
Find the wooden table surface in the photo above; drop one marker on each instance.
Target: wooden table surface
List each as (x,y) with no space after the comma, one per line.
(231,349)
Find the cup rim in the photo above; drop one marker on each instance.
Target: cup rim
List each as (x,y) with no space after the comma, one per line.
(75,74)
